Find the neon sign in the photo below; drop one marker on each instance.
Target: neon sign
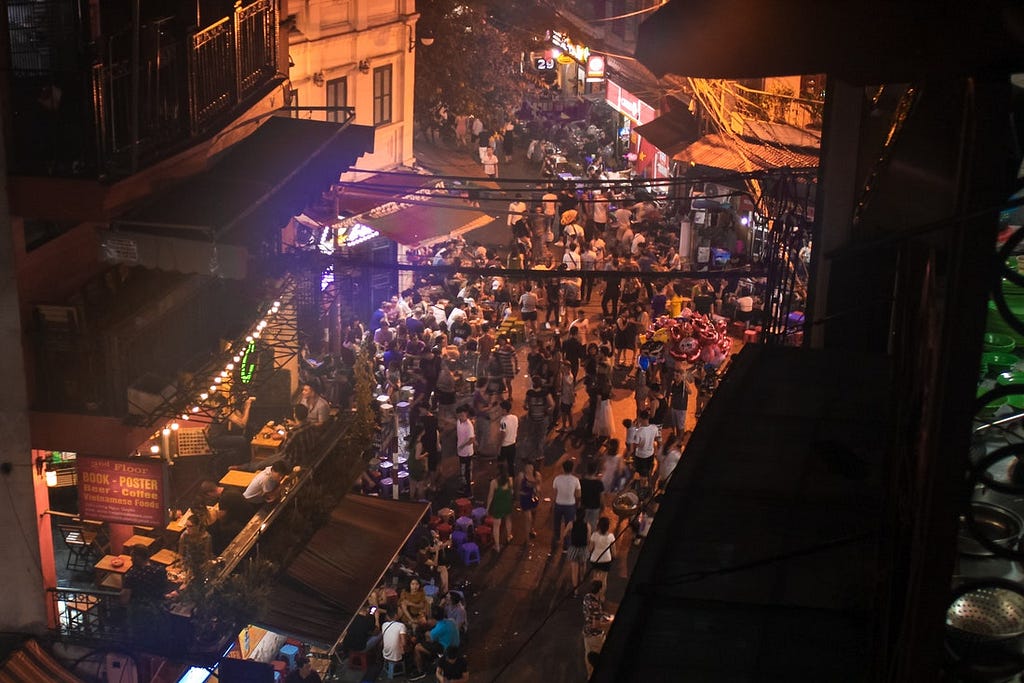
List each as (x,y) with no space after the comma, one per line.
(581,53)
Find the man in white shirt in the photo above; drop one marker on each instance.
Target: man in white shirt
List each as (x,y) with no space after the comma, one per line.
(637,244)
(550,201)
(582,324)
(456,314)
(516,210)
(465,439)
(319,408)
(265,487)
(509,426)
(646,439)
(567,492)
(623,217)
(600,212)
(394,638)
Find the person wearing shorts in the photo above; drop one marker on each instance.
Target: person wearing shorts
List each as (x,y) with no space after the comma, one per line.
(528,308)
(646,439)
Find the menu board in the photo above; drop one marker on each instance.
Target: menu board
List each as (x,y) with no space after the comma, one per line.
(124,491)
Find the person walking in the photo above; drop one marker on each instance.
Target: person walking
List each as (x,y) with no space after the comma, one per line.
(490,162)
(529,494)
(539,406)
(499,505)
(465,439)
(577,535)
(509,427)
(646,440)
(516,210)
(567,491)
(600,547)
(528,303)
(591,494)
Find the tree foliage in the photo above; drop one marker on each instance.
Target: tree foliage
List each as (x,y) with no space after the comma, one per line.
(474,65)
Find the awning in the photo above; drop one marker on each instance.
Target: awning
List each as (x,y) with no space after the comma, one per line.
(743,156)
(31,664)
(672,131)
(861,41)
(423,224)
(326,584)
(380,188)
(241,201)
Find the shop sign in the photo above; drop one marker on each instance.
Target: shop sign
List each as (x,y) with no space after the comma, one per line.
(124,491)
(595,69)
(581,53)
(627,104)
(543,61)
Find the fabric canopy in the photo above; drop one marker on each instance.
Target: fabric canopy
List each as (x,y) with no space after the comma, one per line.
(380,188)
(672,131)
(423,224)
(32,664)
(326,584)
(252,191)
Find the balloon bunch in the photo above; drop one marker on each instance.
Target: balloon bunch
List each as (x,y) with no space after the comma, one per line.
(692,337)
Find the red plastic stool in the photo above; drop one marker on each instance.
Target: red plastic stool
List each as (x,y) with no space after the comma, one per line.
(464,507)
(750,337)
(357,659)
(484,536)
(444,531)
(490,521)
(279,667)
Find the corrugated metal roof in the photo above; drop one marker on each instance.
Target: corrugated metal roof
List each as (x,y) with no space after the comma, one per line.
(32,664)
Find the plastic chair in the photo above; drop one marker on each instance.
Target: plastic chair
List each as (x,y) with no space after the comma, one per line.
(484,535)
(464,506)
(430,590)
(464,524)
(469,553)
(392,669)
(358,659)
(444,531)
(478,515)
(459,538)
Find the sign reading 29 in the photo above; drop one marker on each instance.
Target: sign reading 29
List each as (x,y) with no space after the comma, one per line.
(544,63)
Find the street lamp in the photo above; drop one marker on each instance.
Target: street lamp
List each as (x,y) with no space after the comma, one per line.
(427,39)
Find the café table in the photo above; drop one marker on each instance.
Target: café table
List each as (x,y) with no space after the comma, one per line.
(165,557)
(267,442)
(238,478)
(139,540)
(111,569)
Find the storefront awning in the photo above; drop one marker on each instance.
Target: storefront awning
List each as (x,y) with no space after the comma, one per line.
(30,663)
(743,156)
(672,131)
(326,584)
(206,223)
(379,188)
(423,224)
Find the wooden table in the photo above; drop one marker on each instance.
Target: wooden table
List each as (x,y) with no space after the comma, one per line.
(108,575)
(138,540)
(238,478)
(176,526)
(266,444)
(165,557)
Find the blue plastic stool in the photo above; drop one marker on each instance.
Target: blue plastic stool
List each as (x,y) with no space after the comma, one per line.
(470,553)
(392,669)
(464,524)
(291,653)
(479,515)
(431,590)
(459,538)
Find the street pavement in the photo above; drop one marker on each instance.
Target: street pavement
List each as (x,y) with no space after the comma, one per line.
(524,623)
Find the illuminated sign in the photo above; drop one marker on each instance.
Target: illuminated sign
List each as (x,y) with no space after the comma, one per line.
(543,61)
(124,491)
(595,68)
(624,102)
(581,53)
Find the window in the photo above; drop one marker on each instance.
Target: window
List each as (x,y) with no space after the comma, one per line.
(382,95)
(337,96)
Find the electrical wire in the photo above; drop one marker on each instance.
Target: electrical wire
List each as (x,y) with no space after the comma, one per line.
(638,12)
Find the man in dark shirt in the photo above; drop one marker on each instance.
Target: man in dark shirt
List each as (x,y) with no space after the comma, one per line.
(591,489)
(574,351)
(233,513)
(303,672)
(453,668)
(359,631)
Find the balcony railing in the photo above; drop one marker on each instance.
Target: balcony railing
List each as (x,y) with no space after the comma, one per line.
(131,97)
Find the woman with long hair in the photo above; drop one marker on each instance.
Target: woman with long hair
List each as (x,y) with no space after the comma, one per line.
(578,534)
(529,487)
(499,504)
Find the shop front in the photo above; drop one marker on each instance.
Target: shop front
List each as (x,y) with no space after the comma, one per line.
(648,160)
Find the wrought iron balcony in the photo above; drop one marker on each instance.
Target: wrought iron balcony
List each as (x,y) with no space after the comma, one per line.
(106,106)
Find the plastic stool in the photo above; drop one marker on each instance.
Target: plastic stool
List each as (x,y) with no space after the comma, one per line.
(470,553)
(444,531)
(490,521)
(291,653)
(464,506)
(484,535)
(459,538)
(358,659)
(750,336)
(464,524)
(393,669)
(478,515)
(430,590)
(279,668)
